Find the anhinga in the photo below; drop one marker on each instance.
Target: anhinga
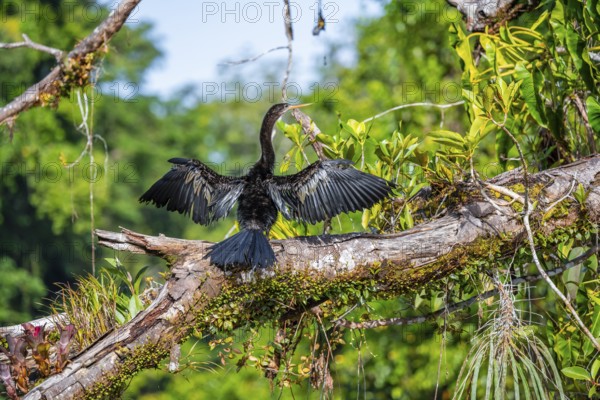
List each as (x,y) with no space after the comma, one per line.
(322,190)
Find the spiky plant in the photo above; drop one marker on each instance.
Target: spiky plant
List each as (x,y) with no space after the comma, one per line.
(90,306)
(97,304)
(508,360)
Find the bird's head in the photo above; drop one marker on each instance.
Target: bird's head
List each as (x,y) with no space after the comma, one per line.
(278,110)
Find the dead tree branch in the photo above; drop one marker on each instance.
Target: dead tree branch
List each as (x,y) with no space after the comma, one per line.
(27,42)
(50,85)
(311,130)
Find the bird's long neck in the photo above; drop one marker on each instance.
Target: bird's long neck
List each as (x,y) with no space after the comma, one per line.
(267,159)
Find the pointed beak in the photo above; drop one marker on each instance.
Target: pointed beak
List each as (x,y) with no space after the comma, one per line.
(300,105)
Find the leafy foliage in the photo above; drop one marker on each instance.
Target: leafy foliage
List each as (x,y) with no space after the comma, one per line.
(533,78)
(98,304)
(18,376)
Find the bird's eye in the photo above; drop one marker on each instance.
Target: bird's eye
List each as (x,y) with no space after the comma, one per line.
(481,13)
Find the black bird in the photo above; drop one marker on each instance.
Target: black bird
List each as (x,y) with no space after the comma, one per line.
(322,190)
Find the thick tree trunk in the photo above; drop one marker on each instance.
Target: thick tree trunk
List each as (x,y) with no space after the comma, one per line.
(397,262)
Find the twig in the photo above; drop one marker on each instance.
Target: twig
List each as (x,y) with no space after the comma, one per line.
(480,185)
(505,191)
(86,128)
(465,303)
(586,122)
(289,33)
(27,42)
(551,206)
(442,345)
(247,60)
(425,104)
(92,43)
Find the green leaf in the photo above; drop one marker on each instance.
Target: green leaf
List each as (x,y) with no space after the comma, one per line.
(588,346)
(138,279)
(325,139)
(358,128)
(134,307)
(478,130)
(530,94)
(542,18)
(564,349)
(592,263)
(298,160)
(366,217)
(577,47)
(572,277)
(383,146)
(595,368)
(448,138)
(285,164)
(580,194)
(593,110)
(408,219)
(576,373)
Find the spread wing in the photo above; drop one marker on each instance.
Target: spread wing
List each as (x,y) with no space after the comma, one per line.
(325,189)
(192,188)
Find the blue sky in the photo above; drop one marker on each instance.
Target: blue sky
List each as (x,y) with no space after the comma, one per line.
(198,36)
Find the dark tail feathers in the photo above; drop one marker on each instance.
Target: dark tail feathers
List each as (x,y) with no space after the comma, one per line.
(246,248)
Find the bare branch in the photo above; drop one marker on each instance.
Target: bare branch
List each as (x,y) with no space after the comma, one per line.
(586,122)
(311,130)
(567,194)
(58,54)
(252,59)
(289,33)
(93,42)
(505,191)
(400,107)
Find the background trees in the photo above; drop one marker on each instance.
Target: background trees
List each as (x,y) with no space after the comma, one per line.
(532,76)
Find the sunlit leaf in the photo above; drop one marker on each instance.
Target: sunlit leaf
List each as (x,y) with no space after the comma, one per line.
(593,110)
(576,373)
(448,138)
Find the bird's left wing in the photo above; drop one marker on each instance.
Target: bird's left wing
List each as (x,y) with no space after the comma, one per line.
(192,188)
(325,189)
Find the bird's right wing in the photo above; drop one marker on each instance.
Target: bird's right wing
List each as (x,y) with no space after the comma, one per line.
(192,188)
(325,189)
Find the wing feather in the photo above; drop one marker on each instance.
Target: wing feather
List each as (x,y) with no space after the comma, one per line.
(192,188)
(325,189)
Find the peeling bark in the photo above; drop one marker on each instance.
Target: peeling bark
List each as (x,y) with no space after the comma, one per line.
(194,282)
(481,13)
